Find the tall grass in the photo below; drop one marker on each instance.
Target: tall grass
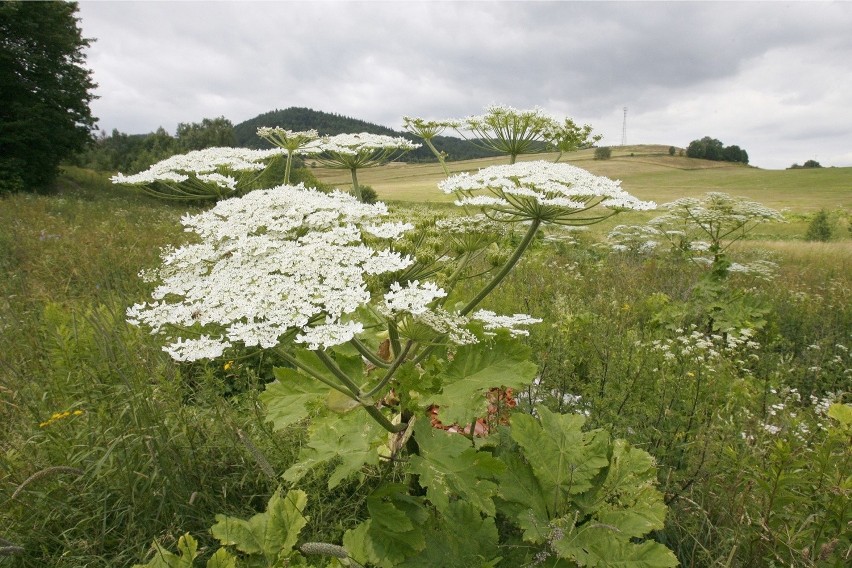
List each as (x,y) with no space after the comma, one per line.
(106,444)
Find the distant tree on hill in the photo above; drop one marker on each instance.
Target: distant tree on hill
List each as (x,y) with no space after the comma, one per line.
(672,150)
(132,153)
(45,91)
(808,164)
(208,133)
(603,153)
(712,149)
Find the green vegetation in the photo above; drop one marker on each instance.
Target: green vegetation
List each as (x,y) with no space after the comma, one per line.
(711,149)
(45,95)
(603,153)
(126,153)
(807,164)
(108,445)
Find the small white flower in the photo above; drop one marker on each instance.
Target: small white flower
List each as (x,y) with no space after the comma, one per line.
(493,321)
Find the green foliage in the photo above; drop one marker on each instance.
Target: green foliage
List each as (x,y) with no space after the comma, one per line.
(711,149)
(819,229)
(205,134)
(473,372)
(672,150)
(808,164)
(581,496)
(269,536)
(603,153)
(44,104)
(449,467)
(368,194)
(132,153)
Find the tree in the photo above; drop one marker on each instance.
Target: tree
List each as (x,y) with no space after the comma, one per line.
(206,134)
(603,153)
(711,149)
(45,92)
(819,228)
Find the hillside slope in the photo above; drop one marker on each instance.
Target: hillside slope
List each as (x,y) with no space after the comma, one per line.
(330,124)
(644,170)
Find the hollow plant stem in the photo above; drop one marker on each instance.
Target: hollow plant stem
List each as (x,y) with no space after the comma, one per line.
(374,412)
(513,260)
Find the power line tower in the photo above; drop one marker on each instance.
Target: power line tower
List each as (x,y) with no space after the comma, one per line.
(624,129)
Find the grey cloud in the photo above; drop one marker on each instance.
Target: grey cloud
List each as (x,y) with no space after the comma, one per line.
(160,63)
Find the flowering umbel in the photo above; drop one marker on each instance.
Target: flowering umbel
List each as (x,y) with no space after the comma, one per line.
(543,191)
(200,174)
(282,261)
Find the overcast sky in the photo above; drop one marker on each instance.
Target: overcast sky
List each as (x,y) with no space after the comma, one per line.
(774,78)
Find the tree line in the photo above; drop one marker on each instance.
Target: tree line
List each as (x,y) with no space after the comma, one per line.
(711,149)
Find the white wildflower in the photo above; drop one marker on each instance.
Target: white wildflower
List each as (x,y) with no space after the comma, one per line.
(493,321)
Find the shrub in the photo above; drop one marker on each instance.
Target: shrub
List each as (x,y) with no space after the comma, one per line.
(819,228)
(603,153)
(672,150)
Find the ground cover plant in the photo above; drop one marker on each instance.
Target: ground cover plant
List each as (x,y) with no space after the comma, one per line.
(395,419)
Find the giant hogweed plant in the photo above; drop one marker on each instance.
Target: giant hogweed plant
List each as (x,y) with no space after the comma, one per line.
(397,373)
(506,130)
(703,231)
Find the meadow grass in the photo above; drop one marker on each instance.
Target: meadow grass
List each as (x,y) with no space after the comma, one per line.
(649,173)
(159,448)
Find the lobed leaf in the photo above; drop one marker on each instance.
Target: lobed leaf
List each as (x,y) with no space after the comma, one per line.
(270,533)
(451,468)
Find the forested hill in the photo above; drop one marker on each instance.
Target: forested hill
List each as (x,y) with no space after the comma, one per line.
(300,118)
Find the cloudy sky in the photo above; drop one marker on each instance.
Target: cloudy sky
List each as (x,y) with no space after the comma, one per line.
(772,77)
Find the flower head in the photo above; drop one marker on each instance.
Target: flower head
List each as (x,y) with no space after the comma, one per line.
(352,151)
(200,174)
(494,321)
(286,260)
(550,192)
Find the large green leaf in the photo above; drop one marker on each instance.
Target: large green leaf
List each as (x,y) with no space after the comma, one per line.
(521,497)
(288,399)
(351,440)
(222,559)
(188,548)
(450,468)
(474,370)
(459,538)
(392,533)
(628,499)
(271,534)
(563,457)
(598,545)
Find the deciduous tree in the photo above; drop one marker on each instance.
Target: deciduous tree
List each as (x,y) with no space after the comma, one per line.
(45,91)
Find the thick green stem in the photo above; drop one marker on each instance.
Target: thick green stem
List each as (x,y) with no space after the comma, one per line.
(356,189)
(310,372)
(376,414)
(338,372)
(287,167)
(437,155)
(368,354)
(522,247)
(390,372)
(393,335)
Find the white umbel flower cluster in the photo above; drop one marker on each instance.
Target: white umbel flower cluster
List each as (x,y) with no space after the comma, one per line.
(286,259)
(205,164)
(355,143)
(493,321)
(539,189)
(413,298)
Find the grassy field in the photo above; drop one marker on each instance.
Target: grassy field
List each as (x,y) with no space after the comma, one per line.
(106,444)
(646,171)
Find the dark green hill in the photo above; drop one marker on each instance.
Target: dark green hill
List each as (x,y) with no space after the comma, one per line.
(300,118)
